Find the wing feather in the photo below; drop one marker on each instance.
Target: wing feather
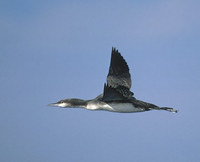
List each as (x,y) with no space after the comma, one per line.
(118,74)
(118,79)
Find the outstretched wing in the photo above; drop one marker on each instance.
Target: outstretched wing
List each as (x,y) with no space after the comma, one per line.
(118,79)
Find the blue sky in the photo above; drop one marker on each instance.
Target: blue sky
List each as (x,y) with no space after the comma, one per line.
(51,50)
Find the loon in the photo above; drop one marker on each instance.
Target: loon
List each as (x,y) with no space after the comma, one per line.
(116,96)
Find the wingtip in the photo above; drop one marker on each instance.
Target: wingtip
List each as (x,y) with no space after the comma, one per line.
(114,49)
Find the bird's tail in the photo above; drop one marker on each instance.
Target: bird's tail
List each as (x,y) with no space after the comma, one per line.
(165,108)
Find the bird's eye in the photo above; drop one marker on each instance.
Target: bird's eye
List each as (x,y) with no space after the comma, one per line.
(61,101)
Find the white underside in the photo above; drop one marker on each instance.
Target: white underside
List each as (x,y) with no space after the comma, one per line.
(115,107)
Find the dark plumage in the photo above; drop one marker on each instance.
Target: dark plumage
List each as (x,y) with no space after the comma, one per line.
(119,77)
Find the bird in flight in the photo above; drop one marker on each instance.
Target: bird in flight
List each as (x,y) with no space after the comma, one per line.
(116,96)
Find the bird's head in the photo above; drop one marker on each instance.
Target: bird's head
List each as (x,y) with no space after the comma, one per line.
(72,102)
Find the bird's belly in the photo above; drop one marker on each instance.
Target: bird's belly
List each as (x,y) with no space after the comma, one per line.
(122,107)
(115,107)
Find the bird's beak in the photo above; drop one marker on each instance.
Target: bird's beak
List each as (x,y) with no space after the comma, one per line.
(53,104)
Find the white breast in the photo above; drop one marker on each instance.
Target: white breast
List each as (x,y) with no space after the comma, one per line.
(115,107)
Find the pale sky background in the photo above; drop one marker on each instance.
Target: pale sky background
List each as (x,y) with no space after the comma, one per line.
(51,50)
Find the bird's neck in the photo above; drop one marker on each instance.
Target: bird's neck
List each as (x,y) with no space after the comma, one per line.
(78,103)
